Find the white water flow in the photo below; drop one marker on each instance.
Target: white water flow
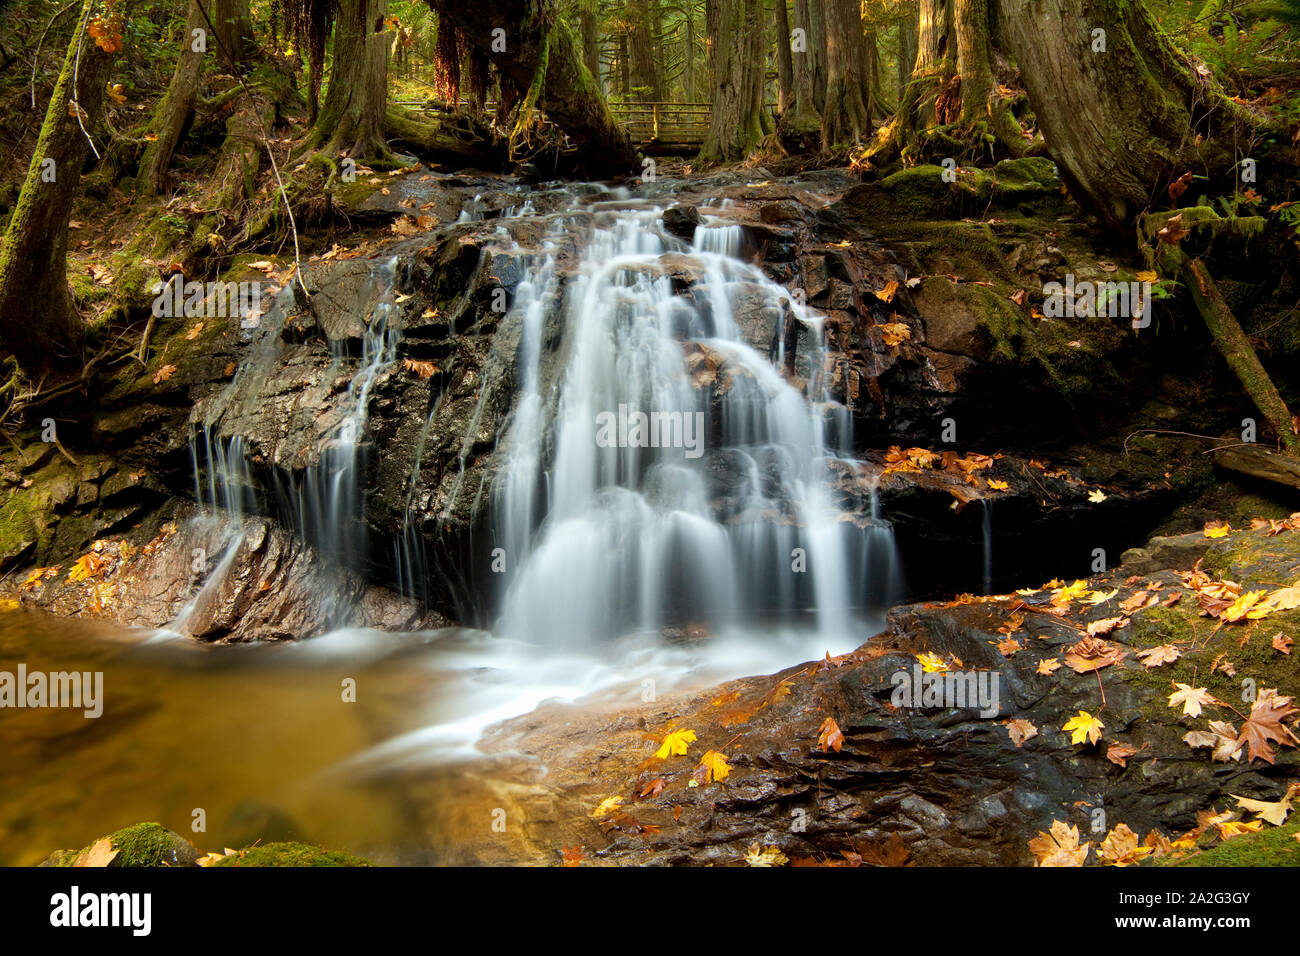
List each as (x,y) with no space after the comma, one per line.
(721,515)
(324,505)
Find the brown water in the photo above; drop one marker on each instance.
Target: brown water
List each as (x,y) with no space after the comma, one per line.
(260,738)
(247,734)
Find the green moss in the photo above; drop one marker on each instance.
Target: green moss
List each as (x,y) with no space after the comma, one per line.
(291,854)
(144,844)
(18,525)
(1272,846)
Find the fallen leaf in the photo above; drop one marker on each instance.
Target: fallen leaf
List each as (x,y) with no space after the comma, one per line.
(1084,726)
(1118,753)
(766,856)
(1020,730)
(1192,699)
(675,744)
(829,736)
(1158,656)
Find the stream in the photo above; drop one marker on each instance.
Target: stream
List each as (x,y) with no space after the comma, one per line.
(662,522)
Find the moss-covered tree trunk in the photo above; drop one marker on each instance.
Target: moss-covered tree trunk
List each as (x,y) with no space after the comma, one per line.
(1120,108)
(38,322)
(351,120)
(736,123)
(175,108)
(1235,347)
(532,36)
(846,118)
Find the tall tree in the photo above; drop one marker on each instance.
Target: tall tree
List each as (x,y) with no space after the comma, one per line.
(176,105)
(233,23)
(845,116)
(640,38)
(803,118)
(351,120)
(38,322)
(739,46)
(784,61)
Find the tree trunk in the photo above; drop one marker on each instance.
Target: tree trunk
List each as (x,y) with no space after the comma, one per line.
(1120,124)
(645,78)
(351,122)
(589,27)
(1240,355)
(817,48)
(688,75)
(736,126)
(784,59)
(845,118)
(176,106)
(803,119)
(537,41)
(907,41)
(38,322)
(234,25)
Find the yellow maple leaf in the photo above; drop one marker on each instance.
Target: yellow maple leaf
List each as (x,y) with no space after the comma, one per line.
(1216,529)
(717,765)
(1049,665)
(765,856)
(675,744)
(87,566)
(995,485)
(1241,607)
(1096,496)
(1084,727)
(931,663)
(1147,275)
(607,806)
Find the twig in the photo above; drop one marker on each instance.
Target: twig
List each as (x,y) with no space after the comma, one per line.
(36,56)
(266,139)
(76,67)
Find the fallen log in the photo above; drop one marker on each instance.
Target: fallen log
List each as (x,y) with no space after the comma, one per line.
(1259,461)
(445,137)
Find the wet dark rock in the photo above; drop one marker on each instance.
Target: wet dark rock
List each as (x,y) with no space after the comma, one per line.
(949,782)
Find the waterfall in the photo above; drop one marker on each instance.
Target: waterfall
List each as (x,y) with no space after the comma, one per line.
(676,475)
(324,505)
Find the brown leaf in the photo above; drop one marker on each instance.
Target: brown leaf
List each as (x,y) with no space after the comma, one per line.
(163,374)
(829,737)
(1092,654)
(1282,643)
(1265,724)
(1118,753)
(101,853)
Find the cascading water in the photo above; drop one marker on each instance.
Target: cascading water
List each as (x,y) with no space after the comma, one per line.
(723,523)
(988,545)
(324,505)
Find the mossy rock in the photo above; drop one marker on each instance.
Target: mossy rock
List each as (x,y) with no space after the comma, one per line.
(924,192)
(141,845)
(291,854)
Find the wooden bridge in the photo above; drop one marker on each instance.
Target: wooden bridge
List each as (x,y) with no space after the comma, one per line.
(666,128)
